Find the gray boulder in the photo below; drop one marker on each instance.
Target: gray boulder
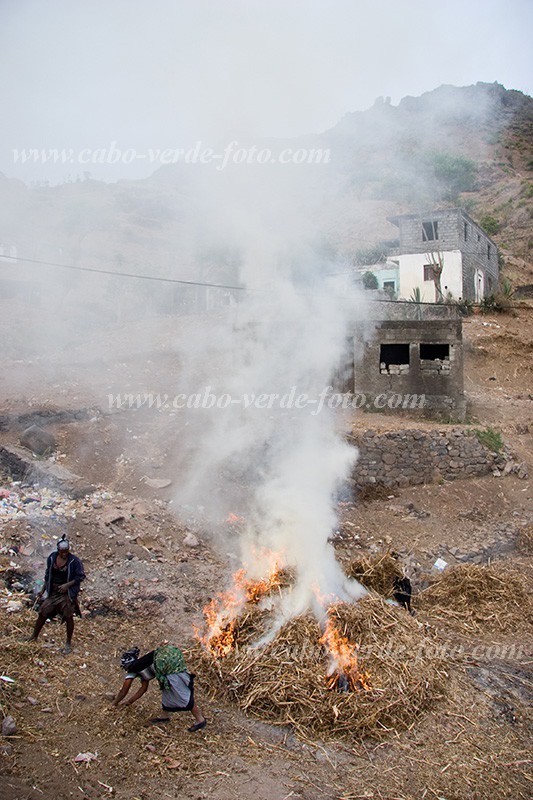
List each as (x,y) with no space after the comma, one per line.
(38,441)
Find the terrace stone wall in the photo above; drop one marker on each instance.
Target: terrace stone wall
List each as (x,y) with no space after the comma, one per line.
(411,457)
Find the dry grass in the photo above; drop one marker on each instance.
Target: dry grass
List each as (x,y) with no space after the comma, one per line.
(480,597)
(72,699)
(524,540)
(284,681)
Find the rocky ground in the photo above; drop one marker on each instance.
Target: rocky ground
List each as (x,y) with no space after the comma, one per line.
(151,569)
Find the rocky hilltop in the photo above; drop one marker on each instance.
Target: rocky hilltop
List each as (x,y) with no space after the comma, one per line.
(469,146)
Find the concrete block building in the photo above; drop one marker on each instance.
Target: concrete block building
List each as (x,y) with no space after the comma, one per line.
(408,358)
(408,364)
(470,257)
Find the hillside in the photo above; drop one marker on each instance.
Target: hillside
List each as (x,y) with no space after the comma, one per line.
(469,146)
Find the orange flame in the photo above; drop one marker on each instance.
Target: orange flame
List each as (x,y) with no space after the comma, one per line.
(233,519)
(344,673)
(222,611)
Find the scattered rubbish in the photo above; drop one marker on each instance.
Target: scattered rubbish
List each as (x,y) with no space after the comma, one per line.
(6,679)
(86,758)
(440,564)
(19,503)
(156,483)
(108,788)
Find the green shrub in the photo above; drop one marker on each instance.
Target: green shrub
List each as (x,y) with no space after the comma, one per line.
(456,173)
(496,303)
(369,280)
(507,288)
(489,438)
(490,224)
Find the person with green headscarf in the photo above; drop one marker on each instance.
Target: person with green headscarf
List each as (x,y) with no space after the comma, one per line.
(167,665)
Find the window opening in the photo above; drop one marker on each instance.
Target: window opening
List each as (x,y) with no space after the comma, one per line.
(434,351)
(436,359)
(428,272)
(394,359)
(430,231)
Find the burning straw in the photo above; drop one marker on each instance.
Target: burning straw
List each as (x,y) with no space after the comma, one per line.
(286,681)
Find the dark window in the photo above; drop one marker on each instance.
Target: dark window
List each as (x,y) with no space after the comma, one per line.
(389,286)
(430,231)
(478,237)
(466,231)
(489,280)
(488,251)
(394,354)
(432,351)
(428,272)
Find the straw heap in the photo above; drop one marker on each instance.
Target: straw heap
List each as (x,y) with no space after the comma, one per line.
(376,573)
(284,681)
(480,597)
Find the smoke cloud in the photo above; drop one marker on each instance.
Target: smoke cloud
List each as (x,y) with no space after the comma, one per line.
(278,467)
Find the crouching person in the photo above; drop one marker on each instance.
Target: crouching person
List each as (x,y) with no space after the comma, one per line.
(167,665)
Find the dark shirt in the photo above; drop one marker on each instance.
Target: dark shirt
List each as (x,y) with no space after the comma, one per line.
(75,573)
(59,577)
(143,667)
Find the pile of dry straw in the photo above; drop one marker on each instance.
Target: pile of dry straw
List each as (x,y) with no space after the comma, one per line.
(284,681)
(480,597)
(377,573)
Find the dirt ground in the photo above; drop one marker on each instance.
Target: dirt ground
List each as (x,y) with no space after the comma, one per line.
(146,585)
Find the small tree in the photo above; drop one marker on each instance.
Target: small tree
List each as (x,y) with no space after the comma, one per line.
(436,259)
(369,280)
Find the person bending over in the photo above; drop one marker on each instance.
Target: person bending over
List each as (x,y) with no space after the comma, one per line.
(167,664)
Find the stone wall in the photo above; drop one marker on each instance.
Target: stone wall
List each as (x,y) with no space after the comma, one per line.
(411,457)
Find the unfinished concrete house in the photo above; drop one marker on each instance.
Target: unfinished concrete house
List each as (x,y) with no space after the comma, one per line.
(413,362)
(469,256)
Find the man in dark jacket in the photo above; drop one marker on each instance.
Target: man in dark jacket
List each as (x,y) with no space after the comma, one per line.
(64,573)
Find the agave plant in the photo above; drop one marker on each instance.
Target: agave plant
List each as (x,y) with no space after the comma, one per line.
(416,299)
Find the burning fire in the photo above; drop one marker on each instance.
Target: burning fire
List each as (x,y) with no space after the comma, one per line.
(344,674)
(222,611)
(233,519)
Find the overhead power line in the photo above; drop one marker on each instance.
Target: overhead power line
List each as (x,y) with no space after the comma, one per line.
(126,274)
(161,279)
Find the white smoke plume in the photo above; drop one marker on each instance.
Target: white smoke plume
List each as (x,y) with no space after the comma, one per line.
(277,467)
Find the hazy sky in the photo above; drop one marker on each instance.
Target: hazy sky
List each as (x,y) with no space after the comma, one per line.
(165,74)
